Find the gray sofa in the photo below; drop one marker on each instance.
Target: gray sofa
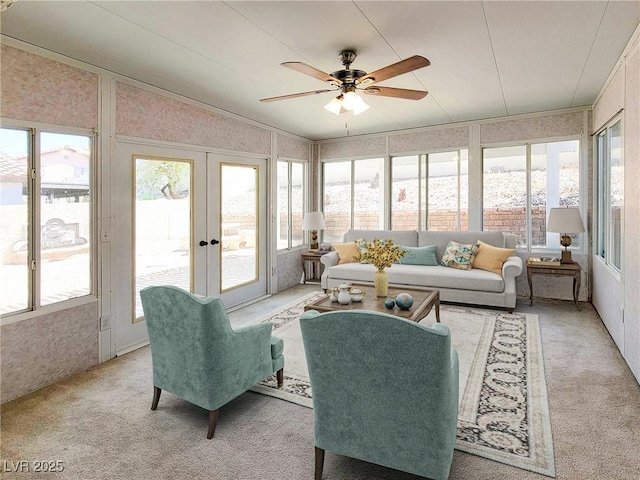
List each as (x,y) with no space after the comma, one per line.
(475,286)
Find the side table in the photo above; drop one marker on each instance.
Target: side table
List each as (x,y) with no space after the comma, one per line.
(559,270)
(316,266)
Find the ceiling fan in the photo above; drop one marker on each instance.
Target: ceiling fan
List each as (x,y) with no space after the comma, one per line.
(350,81)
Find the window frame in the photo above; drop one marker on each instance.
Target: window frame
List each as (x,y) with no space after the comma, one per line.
(305,202)
(384,186)
(424,167)
(582,195)
(386,212)
(602,196)
(34,228)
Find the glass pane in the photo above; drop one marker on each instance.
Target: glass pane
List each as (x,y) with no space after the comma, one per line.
(443,192)
(14,221)
(616,198)
(368,190)
(297,203)
(504,187)
(283,205)
(162,230)
(65,214)
(405,185)
(239,224)
(601,193)
(555,181)
(337,200)
(464,190)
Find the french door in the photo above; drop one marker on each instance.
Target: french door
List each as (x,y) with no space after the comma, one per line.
(192,220)
(237,213)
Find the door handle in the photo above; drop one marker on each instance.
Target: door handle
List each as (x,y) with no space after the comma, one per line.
(203,243)
(215,242)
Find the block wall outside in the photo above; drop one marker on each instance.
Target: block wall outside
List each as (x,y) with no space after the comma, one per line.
(512,220)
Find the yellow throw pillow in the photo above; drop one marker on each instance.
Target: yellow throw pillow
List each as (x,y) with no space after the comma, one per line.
(491,258)
(346,251)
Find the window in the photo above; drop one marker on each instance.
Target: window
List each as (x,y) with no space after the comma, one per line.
(430,192)
(610,193)
(353,196)
(45,218)
(522,183)
(162,225)
(291,199)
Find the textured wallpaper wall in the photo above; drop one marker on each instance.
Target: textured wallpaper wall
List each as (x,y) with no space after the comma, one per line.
(37,89)
(140,113)
(42,350)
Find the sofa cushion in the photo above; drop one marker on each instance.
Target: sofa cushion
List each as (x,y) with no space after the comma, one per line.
(441,239)
(422,276)
(346,251)
(491,258)
(459,255)
(419,256)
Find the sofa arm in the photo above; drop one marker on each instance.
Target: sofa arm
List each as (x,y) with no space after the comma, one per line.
(512,267)
(328,260)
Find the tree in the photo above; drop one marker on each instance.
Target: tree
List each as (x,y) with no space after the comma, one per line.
(165,177)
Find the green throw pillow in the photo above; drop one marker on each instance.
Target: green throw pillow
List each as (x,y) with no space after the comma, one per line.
(458,255)
(419,256)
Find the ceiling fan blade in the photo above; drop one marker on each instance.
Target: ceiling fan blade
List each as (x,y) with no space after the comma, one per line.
(296,95)
(403,66)
(311,71)
(395,92)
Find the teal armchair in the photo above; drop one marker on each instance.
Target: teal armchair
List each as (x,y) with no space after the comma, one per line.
(385,390)
(198,356)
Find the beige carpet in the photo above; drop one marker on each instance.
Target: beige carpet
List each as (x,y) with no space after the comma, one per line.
(100,425)
(503,412)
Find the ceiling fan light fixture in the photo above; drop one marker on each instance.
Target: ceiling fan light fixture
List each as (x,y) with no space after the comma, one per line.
(335,105)
(351,100)
(361,107)
(354,103)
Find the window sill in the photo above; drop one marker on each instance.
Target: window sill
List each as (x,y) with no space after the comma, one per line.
(56,307)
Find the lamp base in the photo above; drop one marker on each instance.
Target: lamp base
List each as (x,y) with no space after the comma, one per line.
(566,257)
(314,240)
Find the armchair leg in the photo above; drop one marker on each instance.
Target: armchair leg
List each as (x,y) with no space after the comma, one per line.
(280,377)
(156,397)
(213,421)
(319,464)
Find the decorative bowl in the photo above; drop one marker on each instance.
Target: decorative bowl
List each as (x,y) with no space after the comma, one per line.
(357,297)
(404,301)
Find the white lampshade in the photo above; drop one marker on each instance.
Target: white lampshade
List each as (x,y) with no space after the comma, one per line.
(313,221)
(565,220)
(348,102)
(353,102)
(335,105)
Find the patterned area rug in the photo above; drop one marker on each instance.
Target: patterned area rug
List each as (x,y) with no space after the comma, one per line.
(503,412)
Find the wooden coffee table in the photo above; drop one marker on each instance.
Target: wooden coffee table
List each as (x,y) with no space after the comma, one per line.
(423,301)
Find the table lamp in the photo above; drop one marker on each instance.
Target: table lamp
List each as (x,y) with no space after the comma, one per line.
(565,221)
(313,221)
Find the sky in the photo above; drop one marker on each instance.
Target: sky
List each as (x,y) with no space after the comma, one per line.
(15,142)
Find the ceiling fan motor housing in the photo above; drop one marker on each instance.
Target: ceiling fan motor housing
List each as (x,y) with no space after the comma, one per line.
(348,77)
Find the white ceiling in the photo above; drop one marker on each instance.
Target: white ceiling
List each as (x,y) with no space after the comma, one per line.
(488,59)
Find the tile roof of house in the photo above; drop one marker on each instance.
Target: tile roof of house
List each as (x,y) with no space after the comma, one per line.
(9,167)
